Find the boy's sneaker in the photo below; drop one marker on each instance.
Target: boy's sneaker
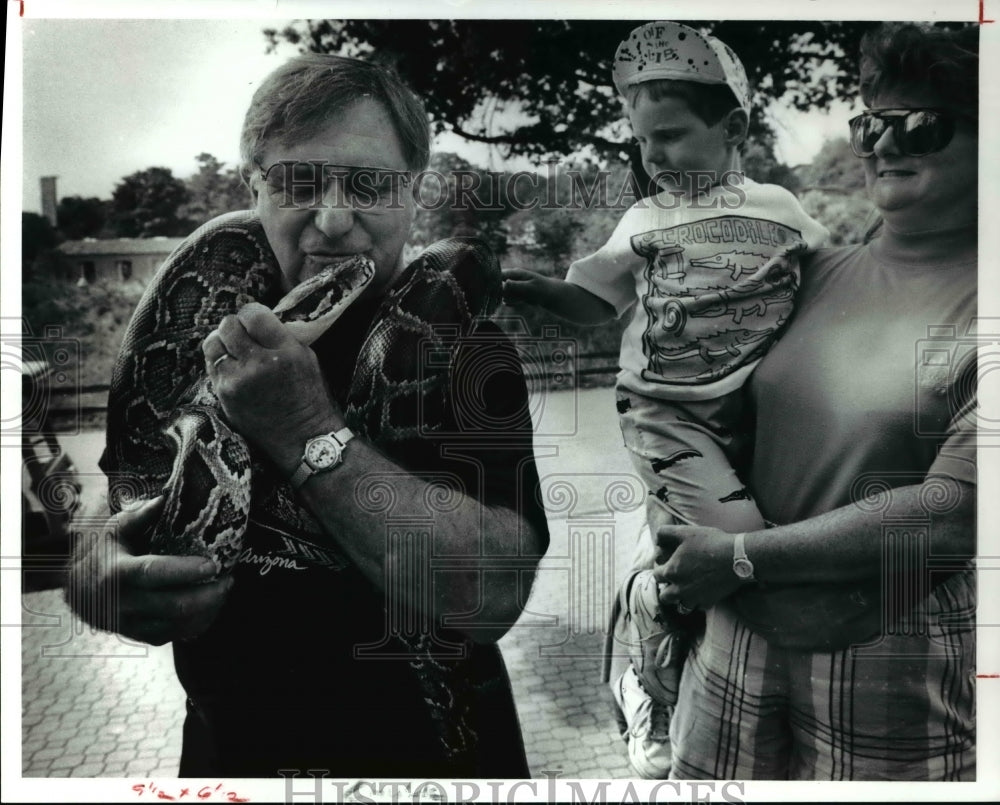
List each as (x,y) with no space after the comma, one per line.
(648,727)
(658,640)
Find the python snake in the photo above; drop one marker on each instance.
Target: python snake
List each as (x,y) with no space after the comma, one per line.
(165,428)
(166,433)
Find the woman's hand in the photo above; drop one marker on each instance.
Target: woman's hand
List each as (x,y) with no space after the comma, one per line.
(696,566)
(270,386)
(154,599)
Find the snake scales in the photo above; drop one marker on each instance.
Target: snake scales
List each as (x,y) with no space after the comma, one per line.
(159,437)
(159,394)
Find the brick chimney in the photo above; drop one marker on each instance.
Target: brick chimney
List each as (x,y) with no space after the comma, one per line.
(49,199)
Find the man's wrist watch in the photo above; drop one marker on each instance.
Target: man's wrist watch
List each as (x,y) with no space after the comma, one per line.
(322,453)
(742,566)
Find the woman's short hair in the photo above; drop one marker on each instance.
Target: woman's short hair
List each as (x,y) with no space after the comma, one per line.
(300,97)
(899,56)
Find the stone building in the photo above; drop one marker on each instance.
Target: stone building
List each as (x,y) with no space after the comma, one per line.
(120,259)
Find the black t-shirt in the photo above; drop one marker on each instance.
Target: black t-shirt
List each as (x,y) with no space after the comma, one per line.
(300,670)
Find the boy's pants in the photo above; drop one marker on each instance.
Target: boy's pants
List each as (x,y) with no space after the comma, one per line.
(683,451)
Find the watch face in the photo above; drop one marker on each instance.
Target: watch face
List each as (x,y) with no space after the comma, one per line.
(743,568)
(322,452)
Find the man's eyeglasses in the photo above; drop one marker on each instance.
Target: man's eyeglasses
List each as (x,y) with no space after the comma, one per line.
(307,185)
(916,132)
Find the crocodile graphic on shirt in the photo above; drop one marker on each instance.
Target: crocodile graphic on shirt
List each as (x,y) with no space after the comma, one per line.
(737,262)
(721,303)
(727,346)
(714,292)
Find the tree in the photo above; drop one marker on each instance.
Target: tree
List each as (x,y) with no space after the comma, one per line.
(214,190)
(557,73)
(37,236)
(847,216)
(834,167)
(81,217)
(147,203)
(761,165)
(833,192)
(556,232)
(454,198)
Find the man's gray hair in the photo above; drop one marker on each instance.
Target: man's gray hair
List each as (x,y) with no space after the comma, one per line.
(300,98)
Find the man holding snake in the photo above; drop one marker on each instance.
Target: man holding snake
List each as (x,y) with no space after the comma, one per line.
(295,660)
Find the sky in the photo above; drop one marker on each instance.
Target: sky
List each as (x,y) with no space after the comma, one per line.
(106,98)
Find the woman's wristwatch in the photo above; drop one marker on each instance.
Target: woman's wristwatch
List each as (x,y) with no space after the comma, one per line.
(742,566)
(321,453)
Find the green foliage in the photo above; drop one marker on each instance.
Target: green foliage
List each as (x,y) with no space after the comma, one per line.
(95,314)
(46,300)
(147,203)
(37,236)
(834,166)
(557,73)
(761,165)
(459,199)
(845,215)
(82,217)
(213,190)
(833,192)
(555,232)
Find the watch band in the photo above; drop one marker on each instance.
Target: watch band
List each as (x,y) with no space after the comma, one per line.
(742,566)
(344,435)
(306,470)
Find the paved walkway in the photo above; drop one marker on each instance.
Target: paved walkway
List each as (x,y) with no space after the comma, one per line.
(96,705)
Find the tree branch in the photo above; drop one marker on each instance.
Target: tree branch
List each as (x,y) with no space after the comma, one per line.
(522,136)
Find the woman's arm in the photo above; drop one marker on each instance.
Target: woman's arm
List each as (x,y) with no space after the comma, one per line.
(839,547)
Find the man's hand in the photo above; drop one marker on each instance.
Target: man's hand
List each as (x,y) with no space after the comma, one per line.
(270,385)
(696,565)
(154,599)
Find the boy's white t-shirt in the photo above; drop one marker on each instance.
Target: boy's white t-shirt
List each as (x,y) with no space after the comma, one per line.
(712,279)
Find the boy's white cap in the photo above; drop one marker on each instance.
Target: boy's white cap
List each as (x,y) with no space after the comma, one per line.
(673,51)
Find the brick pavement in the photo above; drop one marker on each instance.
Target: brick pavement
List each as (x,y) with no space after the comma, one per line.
(93,704)
(97,705)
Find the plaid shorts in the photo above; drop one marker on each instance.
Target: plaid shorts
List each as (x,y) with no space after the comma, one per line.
(899,708)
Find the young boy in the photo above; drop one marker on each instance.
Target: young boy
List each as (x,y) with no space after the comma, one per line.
(710,265)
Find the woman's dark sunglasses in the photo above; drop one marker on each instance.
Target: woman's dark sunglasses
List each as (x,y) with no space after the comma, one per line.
(916,132)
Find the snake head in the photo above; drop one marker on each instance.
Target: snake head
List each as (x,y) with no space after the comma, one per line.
(311,307)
